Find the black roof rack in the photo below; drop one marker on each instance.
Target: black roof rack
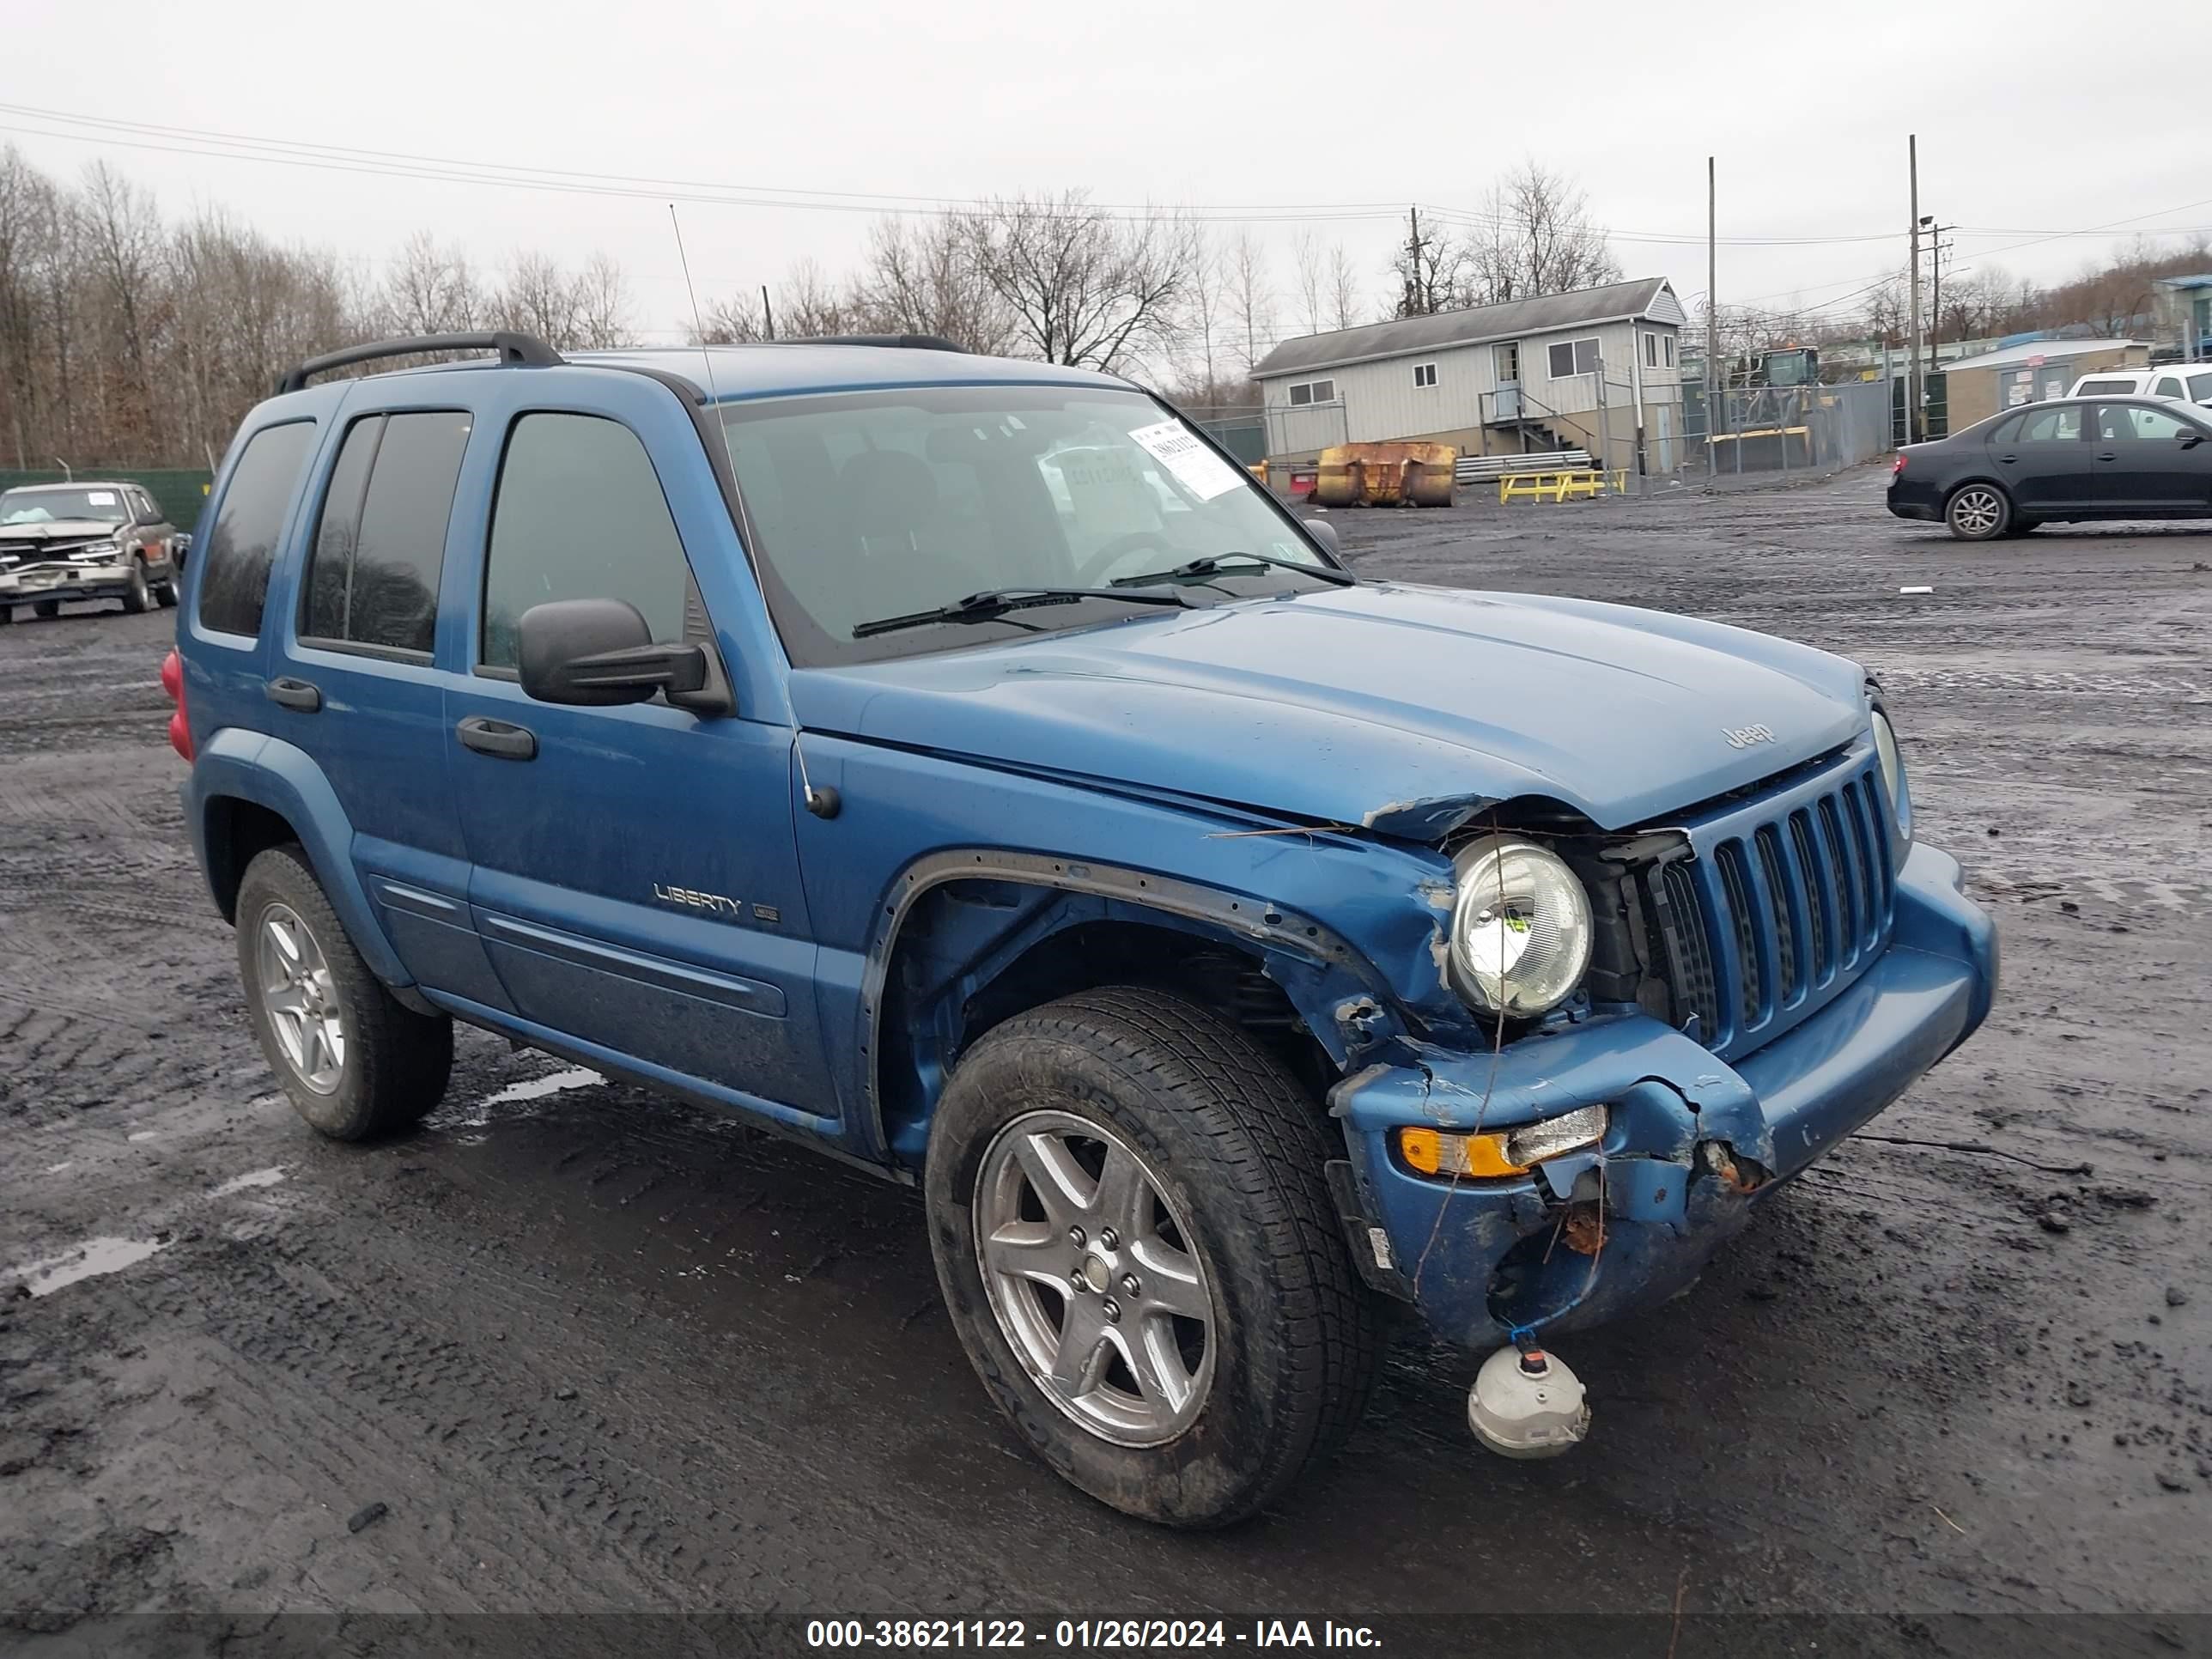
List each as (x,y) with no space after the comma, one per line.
(902,342)
(513,349)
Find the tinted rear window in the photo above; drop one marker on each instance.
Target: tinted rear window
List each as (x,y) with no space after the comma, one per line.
(381,545)
(242,544)
(2087,387)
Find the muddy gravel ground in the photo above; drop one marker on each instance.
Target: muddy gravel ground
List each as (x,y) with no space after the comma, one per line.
(572,1349)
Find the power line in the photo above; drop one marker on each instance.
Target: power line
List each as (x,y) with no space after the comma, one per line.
(404,164)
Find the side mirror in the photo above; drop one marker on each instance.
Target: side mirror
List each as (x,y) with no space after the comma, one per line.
(1325,532)
(599,652)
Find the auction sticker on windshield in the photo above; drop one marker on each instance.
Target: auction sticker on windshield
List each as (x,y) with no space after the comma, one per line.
(1197,468)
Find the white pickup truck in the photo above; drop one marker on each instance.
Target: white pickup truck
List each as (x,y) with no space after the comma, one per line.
(2188,382)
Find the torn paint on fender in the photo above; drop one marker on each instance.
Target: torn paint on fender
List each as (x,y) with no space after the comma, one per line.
(1430,819)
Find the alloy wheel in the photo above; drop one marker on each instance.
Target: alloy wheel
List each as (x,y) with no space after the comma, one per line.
(1093,1275)
(301,1000)
(1976,512)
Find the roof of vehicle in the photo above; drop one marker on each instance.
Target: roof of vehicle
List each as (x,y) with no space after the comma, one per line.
(732,373)
(2053,351)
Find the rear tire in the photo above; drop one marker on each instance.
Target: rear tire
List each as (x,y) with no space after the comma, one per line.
(355,1064)
(167,594)
(48,609)
(1977,512)
(1228,1407)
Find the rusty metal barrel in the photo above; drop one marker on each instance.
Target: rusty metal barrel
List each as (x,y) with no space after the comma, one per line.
(1386,475)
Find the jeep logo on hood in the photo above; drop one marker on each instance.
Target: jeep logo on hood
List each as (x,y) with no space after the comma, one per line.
(1742,737)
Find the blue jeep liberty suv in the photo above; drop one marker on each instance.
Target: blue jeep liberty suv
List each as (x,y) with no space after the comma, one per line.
(962,766)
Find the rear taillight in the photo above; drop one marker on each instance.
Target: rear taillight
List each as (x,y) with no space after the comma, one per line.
(173,682)
(1897,465)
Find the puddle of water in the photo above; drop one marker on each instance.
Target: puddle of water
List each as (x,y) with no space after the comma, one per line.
(89,1261)
(537,1088)
(478,1115)
(252,1178)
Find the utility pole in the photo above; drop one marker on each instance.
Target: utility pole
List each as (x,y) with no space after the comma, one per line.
(1419,301)
(1937,248)
(1712,315)
(1913,431)
(768,315)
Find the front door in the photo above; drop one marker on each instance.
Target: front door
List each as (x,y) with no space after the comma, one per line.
(2042,459)
(635,874)
(2143,464)
(1505,364)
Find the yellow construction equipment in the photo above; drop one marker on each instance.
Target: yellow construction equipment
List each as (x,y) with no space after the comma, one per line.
(1386,475)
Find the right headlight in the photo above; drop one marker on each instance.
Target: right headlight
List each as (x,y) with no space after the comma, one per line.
(1521,928)
(1892,776)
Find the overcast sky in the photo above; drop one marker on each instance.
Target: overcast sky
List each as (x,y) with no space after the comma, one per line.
(1340,109)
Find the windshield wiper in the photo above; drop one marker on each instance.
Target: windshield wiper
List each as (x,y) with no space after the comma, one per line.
(1213,562)
(994,601)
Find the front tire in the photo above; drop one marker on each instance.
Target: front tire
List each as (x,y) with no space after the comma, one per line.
(355,1064)
(167,594)
(138,598)
(1978,512)
(47,609)
(1140,1252)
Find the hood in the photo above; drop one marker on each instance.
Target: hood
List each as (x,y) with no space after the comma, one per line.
(1404,709)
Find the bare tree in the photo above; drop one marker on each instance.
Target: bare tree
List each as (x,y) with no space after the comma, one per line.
(919,279)
(734,321)
(538,298)
(1433,277)
(602,303)
(1344,308)
(1533,237)
(1251,296)
(1208,275)
(1305,250)
(1082,286)
(430,289)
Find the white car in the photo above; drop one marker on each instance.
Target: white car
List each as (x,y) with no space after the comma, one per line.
(2188,382)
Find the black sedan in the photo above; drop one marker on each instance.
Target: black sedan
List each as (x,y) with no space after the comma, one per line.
(2068,459)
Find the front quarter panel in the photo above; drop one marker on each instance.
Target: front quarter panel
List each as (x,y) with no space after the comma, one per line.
(1353,929)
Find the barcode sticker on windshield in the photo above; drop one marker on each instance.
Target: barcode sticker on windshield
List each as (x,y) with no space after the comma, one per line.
(1196,467)
(101,497)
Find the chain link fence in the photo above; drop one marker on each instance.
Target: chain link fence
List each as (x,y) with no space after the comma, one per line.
(1778,430)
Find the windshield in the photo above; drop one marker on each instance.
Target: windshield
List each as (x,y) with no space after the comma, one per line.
(50,505)
(869,505)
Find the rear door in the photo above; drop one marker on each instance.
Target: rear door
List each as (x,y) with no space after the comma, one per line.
(2043,462)
(2143,464)
(636,874)
(354,677)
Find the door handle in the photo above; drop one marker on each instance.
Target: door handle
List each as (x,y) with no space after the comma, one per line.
(2107,455)
(288,693)
(2007,459)
(498,739)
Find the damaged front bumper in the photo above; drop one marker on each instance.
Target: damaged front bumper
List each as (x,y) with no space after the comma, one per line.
(1692,1141)
(29,584)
